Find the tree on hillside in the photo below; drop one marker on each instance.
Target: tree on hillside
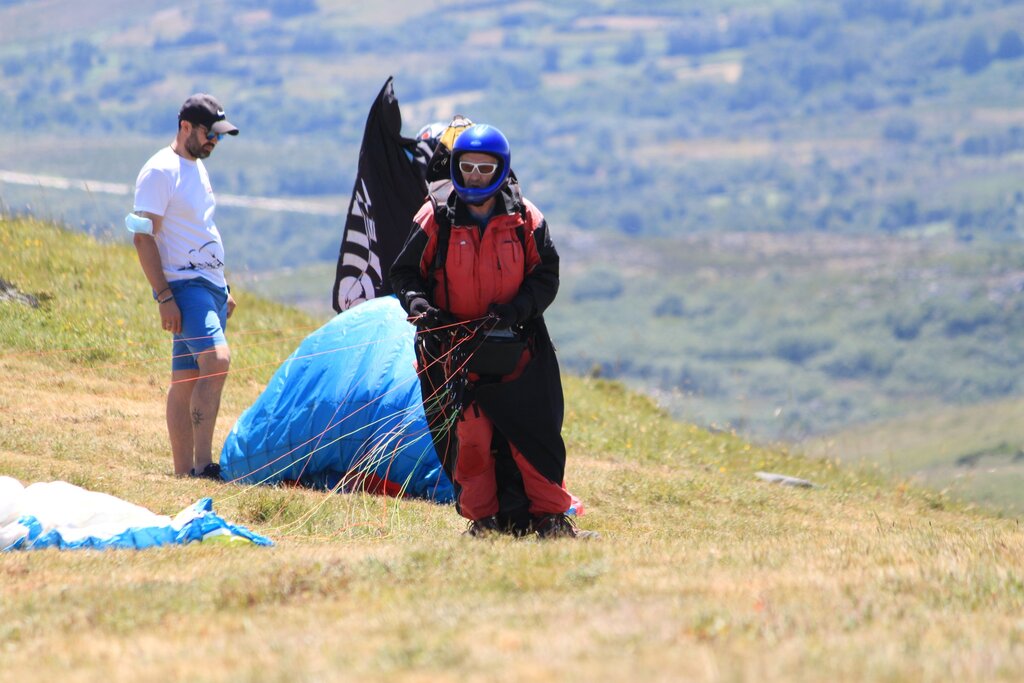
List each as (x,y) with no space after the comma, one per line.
(284,9)
(82,56)
(898,214)
(598,284)
(888,10)
(1010,45)
(800,22)
(693,39)
(672,306)
(631,52)
(630,222)
(313,40)
(976,56)
(551,58)
(900,129)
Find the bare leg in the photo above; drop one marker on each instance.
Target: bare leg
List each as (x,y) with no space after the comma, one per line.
(179,421)
(213,368)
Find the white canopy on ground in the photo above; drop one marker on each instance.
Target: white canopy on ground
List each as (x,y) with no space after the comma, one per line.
(59,514)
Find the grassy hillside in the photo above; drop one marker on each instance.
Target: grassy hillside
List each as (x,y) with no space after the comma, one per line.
(778,336)
(703,572)
(973,452)
(795,216)
(788,336)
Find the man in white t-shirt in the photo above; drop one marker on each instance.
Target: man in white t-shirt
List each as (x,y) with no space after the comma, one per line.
(182,257)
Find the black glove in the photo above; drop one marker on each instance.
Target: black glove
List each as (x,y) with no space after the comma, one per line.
(425,314)
(504,315)
(419,306)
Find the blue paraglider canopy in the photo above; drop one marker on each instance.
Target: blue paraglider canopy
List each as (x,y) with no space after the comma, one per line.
(343,412)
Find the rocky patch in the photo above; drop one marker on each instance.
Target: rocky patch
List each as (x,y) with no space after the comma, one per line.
(9,292)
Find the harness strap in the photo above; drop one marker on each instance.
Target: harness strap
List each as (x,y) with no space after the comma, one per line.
(444,216)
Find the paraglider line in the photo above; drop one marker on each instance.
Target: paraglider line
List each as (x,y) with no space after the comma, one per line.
(341,421)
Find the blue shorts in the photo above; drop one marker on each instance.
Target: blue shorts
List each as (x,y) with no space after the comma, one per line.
(204,317)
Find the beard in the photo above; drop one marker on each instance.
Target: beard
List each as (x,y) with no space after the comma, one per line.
(478,184)
(198,147)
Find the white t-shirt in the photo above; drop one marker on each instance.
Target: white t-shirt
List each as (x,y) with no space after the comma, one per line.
(179,190)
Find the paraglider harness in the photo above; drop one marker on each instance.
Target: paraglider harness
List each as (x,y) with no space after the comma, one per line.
(477,347)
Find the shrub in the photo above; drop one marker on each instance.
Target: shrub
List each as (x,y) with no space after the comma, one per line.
(670,306)
(693,40)
(552,57)
(630,222)
(631,52)
(859,364)
(976,56)
(899,213)
(969,317)
(1010,45)
(799,348)
(888,10)
(284,9)
(598,284)
(695,380)
(900,129)
(906,325)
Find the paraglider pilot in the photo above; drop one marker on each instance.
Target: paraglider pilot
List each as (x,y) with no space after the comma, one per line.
(480,257)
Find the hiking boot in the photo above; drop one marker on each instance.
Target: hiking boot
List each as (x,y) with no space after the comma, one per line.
(561,526)
(517,524)
(211,471)
(483,527)
(518,528)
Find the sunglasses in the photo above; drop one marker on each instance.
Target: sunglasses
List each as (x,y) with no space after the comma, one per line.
(210,135)
(486,168)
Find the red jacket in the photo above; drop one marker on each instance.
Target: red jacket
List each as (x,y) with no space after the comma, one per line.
(494,266)
(481,268)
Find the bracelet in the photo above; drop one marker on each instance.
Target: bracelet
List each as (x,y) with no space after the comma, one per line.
(162,291)
(163,301)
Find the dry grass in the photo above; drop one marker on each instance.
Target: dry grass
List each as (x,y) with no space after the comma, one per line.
(703,573)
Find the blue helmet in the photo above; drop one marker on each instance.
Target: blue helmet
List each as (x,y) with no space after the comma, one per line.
(486,140)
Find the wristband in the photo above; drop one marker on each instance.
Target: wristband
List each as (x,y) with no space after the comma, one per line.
(162,291)
(163,301)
